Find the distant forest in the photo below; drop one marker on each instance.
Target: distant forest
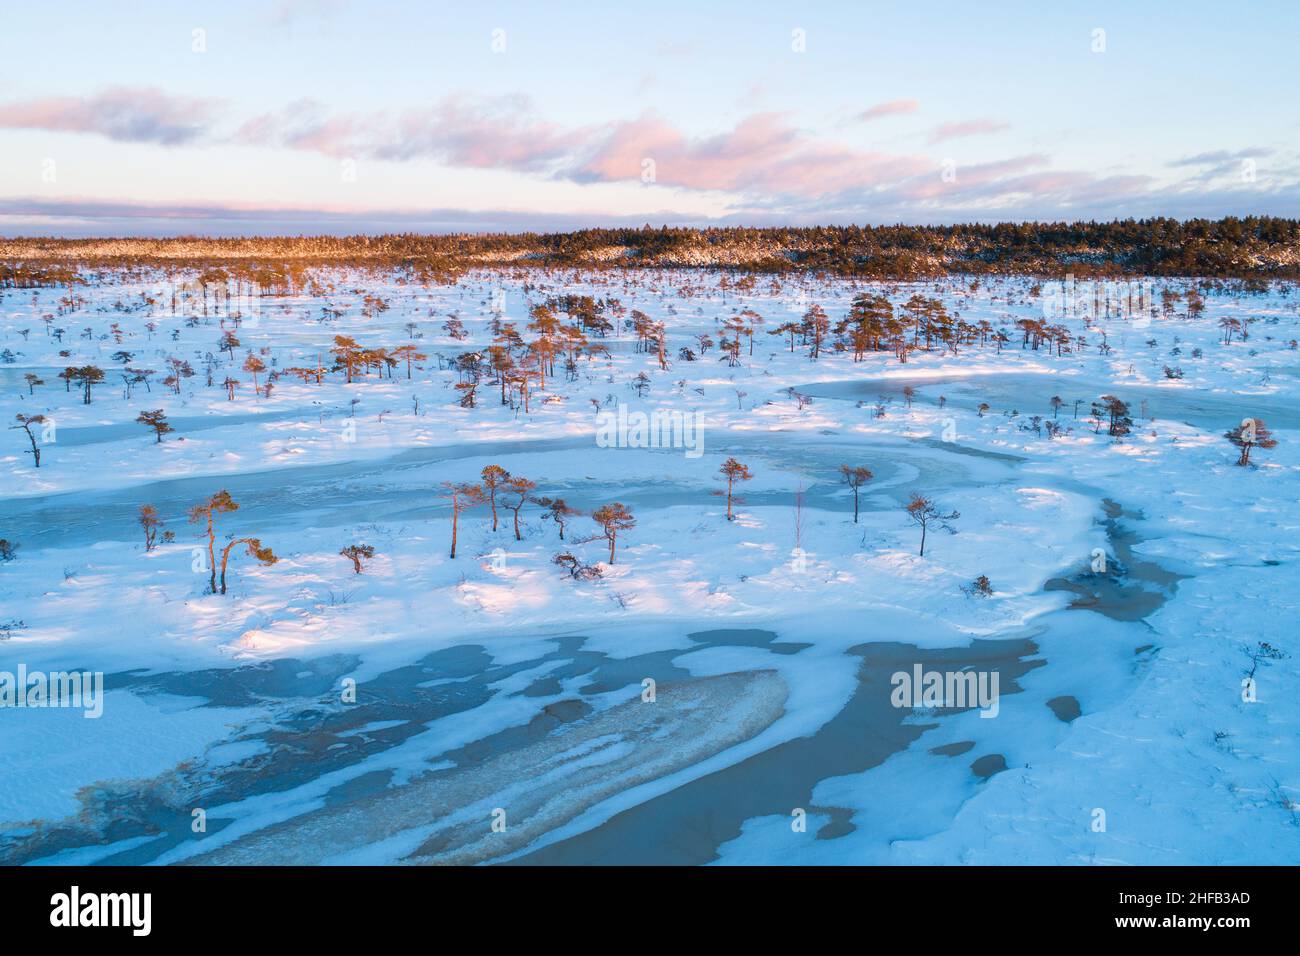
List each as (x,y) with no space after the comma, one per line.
(1258,248)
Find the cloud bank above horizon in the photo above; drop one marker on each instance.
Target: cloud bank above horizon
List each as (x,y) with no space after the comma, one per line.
(315,118)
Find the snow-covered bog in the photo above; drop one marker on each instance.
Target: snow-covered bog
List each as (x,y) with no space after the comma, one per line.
(660,490)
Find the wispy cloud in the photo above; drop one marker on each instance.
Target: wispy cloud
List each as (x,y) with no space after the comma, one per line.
(760,154)
(957,130)
(1220,156)
(1073,197)
(967,181)
(35,216)
(890,108)
(763,166)
(1222,162)
(475,132)
(127,114)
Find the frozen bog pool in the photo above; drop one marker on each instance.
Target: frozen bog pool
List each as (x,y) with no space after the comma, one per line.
(1031,394)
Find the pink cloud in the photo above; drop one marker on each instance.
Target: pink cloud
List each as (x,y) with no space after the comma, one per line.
(763,162)
(1013,179)
(761,154)
(977,127)
(483,133)
(968,178)
(474,132)
(127,114)
(305,125)
(891,108)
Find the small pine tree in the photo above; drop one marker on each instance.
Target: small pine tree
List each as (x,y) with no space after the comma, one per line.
(255,549)
(150,522)
(855,478)
(254,366)
(517,490)
(556,510)
(733,471)
(1250,434)
(925,513)
(612,519)
(204,514)
(577,570)
(25,422)
(461,496)
(157,420)
(356,553)
(494,476)
(1115,413)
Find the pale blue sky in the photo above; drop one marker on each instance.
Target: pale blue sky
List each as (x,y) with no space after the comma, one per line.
(332,115)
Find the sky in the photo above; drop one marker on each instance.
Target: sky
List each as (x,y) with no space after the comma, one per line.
(338,116)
